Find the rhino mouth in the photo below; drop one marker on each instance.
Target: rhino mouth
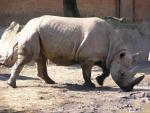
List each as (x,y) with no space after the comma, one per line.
(3,64)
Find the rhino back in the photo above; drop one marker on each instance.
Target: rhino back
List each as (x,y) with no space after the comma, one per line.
(67,40)
(60,38)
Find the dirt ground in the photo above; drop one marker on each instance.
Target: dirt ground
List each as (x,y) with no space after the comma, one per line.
(69,96)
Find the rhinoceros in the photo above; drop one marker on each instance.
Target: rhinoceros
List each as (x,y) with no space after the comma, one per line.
(66,41)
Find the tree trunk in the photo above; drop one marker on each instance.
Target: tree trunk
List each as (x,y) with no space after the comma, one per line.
(70,8)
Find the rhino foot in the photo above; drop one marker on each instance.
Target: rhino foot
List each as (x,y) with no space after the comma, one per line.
(89,85)
(100,80)
(12,84)
(49,81)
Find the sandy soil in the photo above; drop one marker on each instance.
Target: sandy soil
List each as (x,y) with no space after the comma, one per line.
(69,96)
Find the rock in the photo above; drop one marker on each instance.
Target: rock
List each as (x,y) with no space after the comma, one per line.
(41,98)
(137,95)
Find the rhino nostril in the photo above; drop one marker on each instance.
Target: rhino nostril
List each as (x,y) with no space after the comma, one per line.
(122,74)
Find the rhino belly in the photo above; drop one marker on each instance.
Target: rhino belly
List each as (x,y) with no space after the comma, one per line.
(62,61)
(63,55)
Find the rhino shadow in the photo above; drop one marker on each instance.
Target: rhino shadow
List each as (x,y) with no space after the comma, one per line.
(9,110)
(4,77)
(76,66)
(4,109)
(78,87)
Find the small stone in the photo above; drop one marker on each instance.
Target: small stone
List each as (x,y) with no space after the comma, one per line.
(143,101)
(128,105)
(148,95)
(125,97)
(64,90)
(99,92)
(133,110)
(41,98)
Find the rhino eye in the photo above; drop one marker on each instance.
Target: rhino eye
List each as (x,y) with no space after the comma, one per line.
(122,55)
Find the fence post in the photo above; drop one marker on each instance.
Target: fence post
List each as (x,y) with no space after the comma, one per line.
(127,9)
(118,8)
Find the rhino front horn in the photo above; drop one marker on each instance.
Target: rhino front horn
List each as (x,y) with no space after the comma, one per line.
(137,80)
(132,82)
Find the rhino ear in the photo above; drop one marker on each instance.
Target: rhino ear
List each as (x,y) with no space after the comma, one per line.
(122,55)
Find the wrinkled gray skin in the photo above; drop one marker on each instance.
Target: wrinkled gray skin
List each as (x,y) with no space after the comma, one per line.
(67,41)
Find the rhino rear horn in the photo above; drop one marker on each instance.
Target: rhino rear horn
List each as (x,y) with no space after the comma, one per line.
(134,70)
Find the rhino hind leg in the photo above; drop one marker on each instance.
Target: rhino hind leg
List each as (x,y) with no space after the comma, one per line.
(16,69)
(42,70)
(86,70)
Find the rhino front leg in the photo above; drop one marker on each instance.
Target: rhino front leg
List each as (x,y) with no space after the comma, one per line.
(100,79)
(86,70)
(16,69)
(42,70)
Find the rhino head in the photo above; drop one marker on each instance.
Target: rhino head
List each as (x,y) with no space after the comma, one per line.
(123,71)
(8,45)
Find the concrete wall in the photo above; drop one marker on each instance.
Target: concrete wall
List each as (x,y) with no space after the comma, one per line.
(126,9)
(23,10)
(136,10)
(97,7)
(142,8)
